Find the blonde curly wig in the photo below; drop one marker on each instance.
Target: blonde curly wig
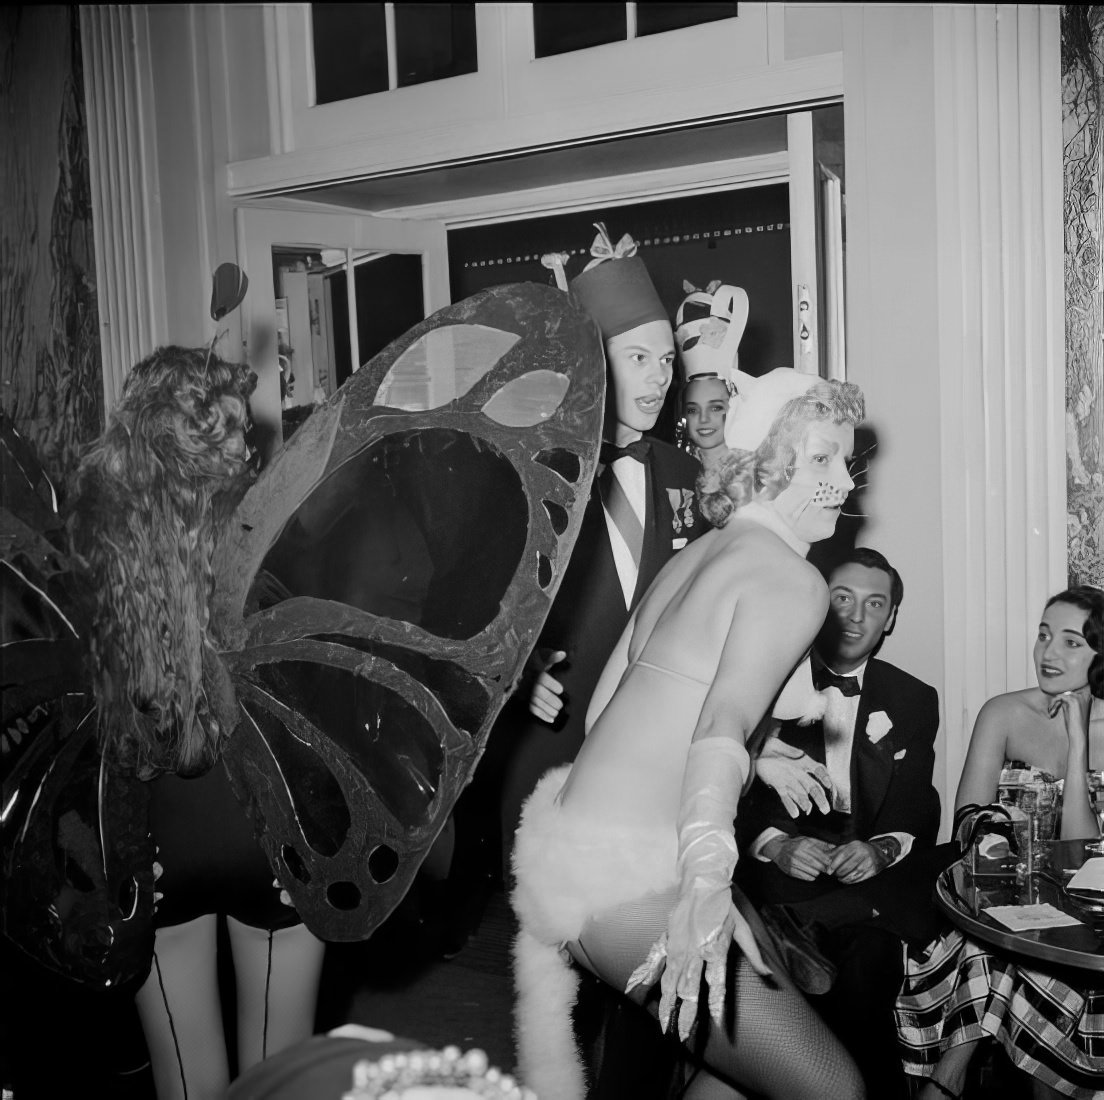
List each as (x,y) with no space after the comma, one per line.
(742,474)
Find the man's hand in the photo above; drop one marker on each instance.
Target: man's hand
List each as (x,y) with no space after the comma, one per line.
(802,857)
(795,777)
(546,698)
(857,861)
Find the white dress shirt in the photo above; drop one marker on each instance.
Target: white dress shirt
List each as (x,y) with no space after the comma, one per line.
(839,720)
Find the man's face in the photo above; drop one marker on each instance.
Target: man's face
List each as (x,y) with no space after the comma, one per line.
(860,611)
(819,482)
(704,404)
(641,362)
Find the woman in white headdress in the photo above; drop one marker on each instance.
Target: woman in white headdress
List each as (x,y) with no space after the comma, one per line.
(624,860)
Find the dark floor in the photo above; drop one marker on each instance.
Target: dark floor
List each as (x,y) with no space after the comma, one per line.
(56,1037)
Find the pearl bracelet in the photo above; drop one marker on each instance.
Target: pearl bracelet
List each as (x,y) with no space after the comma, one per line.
(388,1078)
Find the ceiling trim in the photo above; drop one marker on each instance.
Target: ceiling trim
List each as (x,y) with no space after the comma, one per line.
(682,181)
(816,82)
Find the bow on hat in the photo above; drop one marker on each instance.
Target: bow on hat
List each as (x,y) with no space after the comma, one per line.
(603,248)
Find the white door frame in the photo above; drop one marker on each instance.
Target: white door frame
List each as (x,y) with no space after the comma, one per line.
(259,227)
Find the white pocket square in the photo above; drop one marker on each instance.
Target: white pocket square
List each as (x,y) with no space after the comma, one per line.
(677,544)
(900,755)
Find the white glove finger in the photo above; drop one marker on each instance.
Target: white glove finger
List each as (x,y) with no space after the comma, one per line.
(688,982)
(742,934)
(715,978)
(819,797)
(648,972)
(688,1015)
(801,797)
(667,1001)
(775,746)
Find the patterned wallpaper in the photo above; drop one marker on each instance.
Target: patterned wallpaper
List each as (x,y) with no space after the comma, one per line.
(50,376)
(1083,142)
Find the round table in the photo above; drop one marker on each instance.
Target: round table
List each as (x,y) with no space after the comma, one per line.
(964,897)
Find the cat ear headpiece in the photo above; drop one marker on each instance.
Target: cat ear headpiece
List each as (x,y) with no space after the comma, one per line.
(708,328)
(758,402)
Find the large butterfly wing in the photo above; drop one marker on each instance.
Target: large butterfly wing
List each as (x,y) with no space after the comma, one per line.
(75,857)
(385,581)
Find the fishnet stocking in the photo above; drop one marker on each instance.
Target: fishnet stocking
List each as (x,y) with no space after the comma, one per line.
(771,1042)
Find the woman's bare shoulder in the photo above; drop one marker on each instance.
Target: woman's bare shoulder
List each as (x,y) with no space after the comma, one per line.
(1013,710)
(773,572)
(1009,703)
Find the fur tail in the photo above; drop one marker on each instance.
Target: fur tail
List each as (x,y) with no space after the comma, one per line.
(549,1061)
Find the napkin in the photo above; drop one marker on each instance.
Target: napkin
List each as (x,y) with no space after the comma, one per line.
(1090,875)
(1026,918)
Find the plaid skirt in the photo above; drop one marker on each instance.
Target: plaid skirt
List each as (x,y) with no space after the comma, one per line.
(956,991)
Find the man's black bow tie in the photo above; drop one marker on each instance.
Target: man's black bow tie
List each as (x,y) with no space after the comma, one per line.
(826,678)
(637,449)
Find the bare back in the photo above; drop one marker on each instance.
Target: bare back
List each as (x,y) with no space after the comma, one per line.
(705,653)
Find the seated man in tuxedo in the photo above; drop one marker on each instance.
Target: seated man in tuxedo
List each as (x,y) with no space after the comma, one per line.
(847,883)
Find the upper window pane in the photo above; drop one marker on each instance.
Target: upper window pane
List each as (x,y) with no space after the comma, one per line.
(561,28)
(350,51)
(434,41)
(654,18)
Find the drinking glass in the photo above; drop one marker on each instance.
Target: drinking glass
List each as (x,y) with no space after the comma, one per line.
(1096,799)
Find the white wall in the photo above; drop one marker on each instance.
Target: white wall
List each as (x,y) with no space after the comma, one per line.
(892,309)
(954,287)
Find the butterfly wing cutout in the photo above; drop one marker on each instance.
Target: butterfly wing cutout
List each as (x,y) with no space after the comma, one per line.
(385,581)
(75,856)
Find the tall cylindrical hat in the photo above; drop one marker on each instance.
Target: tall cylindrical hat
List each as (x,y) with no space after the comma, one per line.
(615,287)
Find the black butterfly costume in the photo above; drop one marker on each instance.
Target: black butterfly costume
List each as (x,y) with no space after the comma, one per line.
(376,593)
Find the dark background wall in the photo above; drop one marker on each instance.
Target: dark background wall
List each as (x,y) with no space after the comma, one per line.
(741,237)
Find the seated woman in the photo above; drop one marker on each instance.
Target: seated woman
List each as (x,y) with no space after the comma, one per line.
(626,856)
(957,993)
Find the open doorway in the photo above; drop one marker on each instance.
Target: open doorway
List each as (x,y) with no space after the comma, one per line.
(741,237)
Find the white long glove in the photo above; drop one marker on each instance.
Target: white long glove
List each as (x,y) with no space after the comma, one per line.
(704,921)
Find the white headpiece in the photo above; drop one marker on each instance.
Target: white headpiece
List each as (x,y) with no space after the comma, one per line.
(758,402)
(708,328)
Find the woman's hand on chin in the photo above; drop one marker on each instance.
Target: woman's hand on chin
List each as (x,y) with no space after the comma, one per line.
(1074,707)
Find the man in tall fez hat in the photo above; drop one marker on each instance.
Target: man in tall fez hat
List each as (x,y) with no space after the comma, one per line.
(641,512)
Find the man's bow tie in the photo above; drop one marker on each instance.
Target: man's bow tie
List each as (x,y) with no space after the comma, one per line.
(826,678)
(610,452)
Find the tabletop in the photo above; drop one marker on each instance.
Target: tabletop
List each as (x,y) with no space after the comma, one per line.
(963,897)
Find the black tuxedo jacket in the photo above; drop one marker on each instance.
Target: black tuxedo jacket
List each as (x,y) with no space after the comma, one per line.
(891,789)
(587,618)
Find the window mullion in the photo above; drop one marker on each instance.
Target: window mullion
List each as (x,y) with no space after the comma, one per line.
(630,22)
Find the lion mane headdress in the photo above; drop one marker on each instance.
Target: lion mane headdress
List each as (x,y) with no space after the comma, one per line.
(151,496)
